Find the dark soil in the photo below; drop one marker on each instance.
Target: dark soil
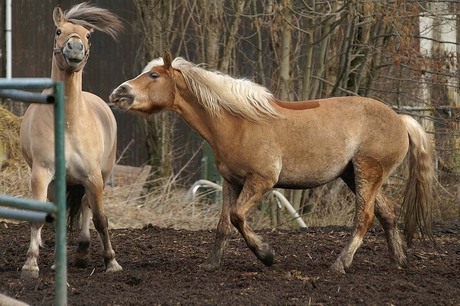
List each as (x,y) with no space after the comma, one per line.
(161,266)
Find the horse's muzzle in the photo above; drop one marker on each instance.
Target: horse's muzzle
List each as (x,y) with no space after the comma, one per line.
(74,52)
(121,97)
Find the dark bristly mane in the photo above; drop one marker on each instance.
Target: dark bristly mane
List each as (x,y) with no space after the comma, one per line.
(92,17)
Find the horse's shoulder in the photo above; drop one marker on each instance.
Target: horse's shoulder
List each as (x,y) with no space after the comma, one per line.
(90,97)
(94,100)
(98,105)
(297,105)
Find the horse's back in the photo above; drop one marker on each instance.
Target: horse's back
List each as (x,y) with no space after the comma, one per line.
(359,115)
(322,141)
(374,127)
(348,116)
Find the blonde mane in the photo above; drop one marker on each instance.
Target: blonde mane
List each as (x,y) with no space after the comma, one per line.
(217,91)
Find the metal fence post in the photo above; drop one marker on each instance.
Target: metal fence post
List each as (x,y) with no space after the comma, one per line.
(36,210)
(60,183)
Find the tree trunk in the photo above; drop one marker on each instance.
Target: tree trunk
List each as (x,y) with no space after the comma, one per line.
(213,18)
(232,35)
(285,12)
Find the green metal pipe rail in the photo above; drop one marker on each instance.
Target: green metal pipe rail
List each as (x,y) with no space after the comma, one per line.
(36,211)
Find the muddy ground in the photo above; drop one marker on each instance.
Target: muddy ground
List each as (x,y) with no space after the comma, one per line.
(161,267)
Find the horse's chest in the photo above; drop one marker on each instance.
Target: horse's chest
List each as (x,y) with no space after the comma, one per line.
(79,163)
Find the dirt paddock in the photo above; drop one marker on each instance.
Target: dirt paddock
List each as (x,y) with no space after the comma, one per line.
(161,267)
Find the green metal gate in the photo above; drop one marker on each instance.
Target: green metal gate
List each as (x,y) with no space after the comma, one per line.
(36,211)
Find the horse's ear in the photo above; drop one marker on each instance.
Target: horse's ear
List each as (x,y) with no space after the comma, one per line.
(58,16)
(167,59)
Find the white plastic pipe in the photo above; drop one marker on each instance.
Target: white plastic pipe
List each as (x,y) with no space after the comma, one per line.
(9,39)
(191,193)
(289,207)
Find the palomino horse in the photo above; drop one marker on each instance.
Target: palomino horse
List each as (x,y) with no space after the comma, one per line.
(260,143)
(90,135)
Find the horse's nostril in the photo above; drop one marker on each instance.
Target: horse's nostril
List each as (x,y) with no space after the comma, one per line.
(122,95)
(75,44)
(122,89)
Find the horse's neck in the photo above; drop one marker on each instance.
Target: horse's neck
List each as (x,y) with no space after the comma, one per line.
(74,105)
(214,130)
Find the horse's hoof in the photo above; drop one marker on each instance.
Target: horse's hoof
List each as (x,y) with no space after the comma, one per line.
(337,267)
(268,259)
(403,263)
(82,257)
(27,274)
(210,266)
(400,265)
(113,266)
(266,255)
(81,262)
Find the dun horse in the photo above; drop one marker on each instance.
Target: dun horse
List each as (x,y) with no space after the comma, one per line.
(90,135)
(260,143)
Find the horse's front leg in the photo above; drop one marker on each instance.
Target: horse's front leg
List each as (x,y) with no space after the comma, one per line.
(253,190)
(30,268)
(229,196)
(39,184)
(94,194)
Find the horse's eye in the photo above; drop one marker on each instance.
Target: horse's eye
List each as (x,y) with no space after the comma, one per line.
(88,35)
(58,32)
(154,75)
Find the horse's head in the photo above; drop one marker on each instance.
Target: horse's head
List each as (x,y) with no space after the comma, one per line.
(172,84)
(73,32)
(151,91)
(71,43)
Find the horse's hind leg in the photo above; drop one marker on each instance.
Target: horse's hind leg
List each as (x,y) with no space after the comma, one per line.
(94,195)
(229,196)
(82,257)
(384,210)
(253,190)
(367,181)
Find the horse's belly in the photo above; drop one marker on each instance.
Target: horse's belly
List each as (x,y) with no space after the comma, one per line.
(302,177)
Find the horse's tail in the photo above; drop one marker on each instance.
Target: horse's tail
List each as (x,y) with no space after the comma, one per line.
(73,199)
(418,196)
